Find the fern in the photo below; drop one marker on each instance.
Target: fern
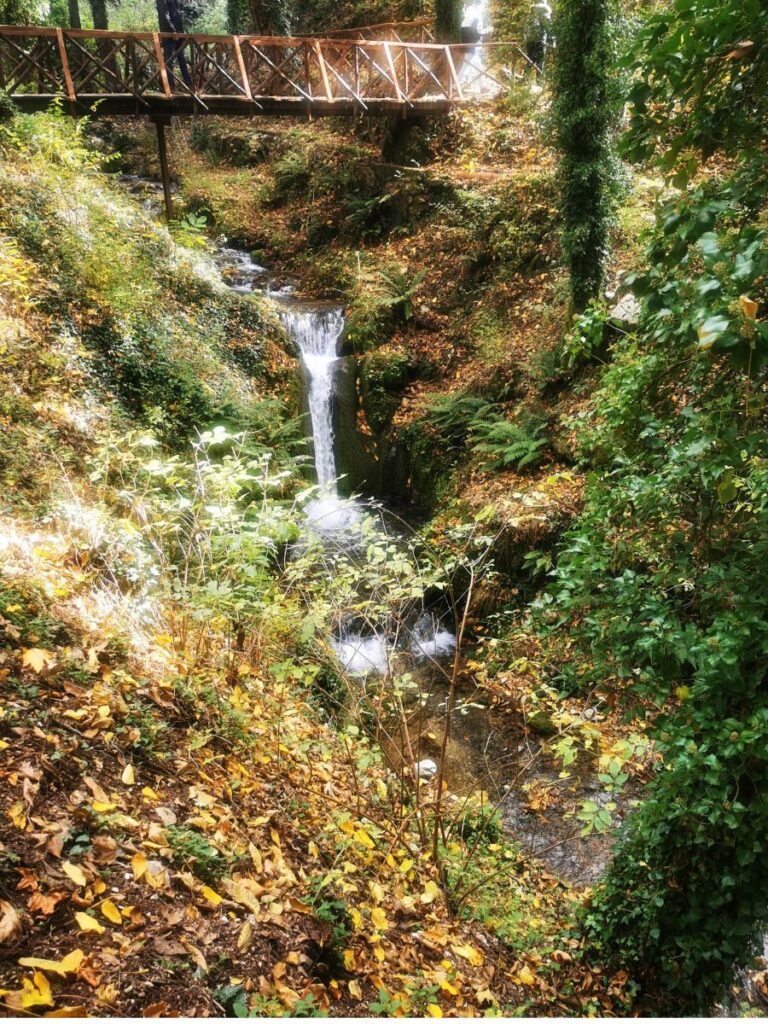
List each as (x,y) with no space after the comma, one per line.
(508,444)
(458,415)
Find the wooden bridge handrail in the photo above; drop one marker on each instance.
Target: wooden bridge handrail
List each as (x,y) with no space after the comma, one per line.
(45,31)
(162,74)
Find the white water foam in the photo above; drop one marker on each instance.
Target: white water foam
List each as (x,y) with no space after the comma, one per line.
(431,640)
(363,655)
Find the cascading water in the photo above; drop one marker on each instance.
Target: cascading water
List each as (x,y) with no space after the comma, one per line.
(317,332)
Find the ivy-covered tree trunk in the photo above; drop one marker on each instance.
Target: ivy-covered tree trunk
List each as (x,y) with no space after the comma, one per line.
(448,20)
(74,13)
(584,114)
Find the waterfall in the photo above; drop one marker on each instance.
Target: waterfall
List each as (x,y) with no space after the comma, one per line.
(317,332)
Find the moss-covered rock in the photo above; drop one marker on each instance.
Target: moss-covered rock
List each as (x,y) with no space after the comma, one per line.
(383,376)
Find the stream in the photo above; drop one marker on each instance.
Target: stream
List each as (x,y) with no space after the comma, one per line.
(488,750)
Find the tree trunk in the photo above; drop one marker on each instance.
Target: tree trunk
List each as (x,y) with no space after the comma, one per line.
(74,14)
(448,14)
(99,13)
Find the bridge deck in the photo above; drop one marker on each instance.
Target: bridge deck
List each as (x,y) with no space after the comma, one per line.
(161,75)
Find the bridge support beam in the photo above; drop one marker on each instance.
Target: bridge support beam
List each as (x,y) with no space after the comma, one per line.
(165,174)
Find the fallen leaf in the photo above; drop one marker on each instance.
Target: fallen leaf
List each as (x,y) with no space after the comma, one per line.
(110,911)
(68,965)
(474,956)
(485,996)
(45,903)
(526,976)
(431,892)
(139,865)
(434,1010)
(155,1010)
(69,1011)
(245,937)
(74,872)
(129,775)
(88,923)
(379,919)
(36,659)
(32,993)
(355,990)
(211,895)
(10,922)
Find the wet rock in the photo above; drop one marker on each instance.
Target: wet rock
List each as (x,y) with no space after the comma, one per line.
(626,311)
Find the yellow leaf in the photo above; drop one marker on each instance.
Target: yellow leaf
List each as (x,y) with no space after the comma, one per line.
(364,839)
(149,793)
(89,924)
(101,808)
(485,996)
(68,965)
(431,892)
(212,896)
(525,976)
(32,993)
(74,872)
(36,659)
(748,307)
(138,865)
(69,1011)
(129,775)
(347,826)
(350,964)
(446,986)
(17,814)
(474,956)
(355,990)
(245,937)
(406,866)
(434,1010)
(379,919)
(110,911)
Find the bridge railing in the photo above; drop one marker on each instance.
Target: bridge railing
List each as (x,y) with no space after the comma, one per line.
(152,72)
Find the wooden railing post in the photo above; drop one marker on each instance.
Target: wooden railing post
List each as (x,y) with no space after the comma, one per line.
(71,96)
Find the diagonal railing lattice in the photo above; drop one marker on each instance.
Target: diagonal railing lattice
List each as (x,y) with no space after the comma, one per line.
(161,75)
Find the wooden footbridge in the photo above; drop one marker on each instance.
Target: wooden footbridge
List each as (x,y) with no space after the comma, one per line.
(163,75)
(391,68)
